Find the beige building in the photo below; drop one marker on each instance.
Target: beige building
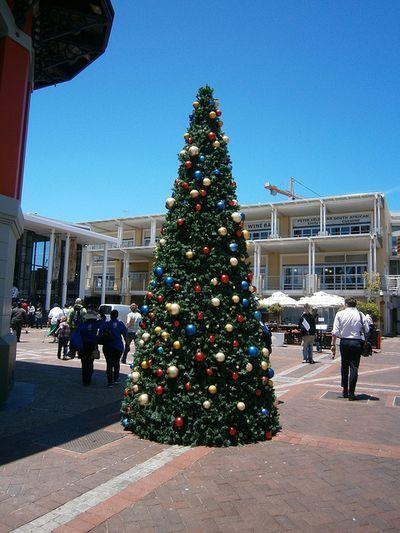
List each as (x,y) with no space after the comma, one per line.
(344,244)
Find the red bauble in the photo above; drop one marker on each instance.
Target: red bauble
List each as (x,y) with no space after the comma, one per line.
(235,375)
(179,422)
(232,431)
(200,315)
(240,318)
(188,386)
(160,298)
(162,231)
(212,136)
(235,343)
(209,371)
(177,286)
(231,202)
(211,338)
(198,207)
(143,325)
(224,278)
(159,372)
(151,316)
(189,140)
(250,276)
(159,390)
(268,435)
(233,183)
(203,192)
(126,392)
(258,392)
(205,250)
(150,362)
(238,233)
(149,295)
(188,164)
(176,323)
(218,112)
(180,222)
(197,288)
(185,185)
(199,356)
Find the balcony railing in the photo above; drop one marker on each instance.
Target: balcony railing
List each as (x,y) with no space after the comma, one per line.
(391,284)
(138,281)
(95,284)
(300,283)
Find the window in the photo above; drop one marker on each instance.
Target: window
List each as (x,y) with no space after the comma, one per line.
(336,277)
(257,235)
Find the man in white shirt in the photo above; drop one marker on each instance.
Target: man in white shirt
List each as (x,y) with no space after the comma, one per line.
(351,327)
(53,320)
(133,321)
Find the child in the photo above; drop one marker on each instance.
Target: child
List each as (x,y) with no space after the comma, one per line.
(63,333)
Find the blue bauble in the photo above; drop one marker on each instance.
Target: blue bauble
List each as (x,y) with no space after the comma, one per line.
(153,283)
(168,281)
(144,309)
(217,171)
(202,158)
(159,271)
(211,102)
(191,330)
(257,315)
(252,351)
(242,215)
(160,350)
(244,285)
(125,422)
(198,174)
(132,366)
(245,302)
(264,411)
(233,247)
(190,117)
(221,205)
(270,373)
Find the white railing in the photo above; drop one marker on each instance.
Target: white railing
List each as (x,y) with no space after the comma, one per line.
(391,284)
(138,281)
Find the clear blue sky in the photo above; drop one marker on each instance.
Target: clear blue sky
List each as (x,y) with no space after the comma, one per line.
(309,89)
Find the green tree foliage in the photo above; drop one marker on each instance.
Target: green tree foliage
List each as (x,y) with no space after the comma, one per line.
(201,373)
(371,308)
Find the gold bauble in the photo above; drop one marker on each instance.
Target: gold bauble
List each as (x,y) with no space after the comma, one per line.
(206,182)
(264,365)
(165,335)
(212,114)
(233,261)
(170,202)
(189,254)
(240,406)
(270,383)
(162,242)
(225,138)
(157,330)
(228,327)
(235,299)
(143,399)
(214,281)
(176,345)
(212,389)
(265,352)
(196,104)
(249,367)
(216,144)
(144,365)
(168,306)
(182,153)
(135,376)
(174,309)
(146,336)
(222,231)
(193,151)
(206,404)
(220,357)
(141,342)
(135,388)
(215,302)
(172,371)
(194,193)
(186,136)
(236,217)
(246,234)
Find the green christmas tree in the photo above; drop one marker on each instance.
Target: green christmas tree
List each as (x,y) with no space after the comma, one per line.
(201,373)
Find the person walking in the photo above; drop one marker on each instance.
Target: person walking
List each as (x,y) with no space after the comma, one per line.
(53,320)
(352,328)
(24,306)
(132,325)
(307,328)
(266,333)
(18,319)
(31,315)
(75,319)
(88,332)
(39,316)
(63,333)
(114,347)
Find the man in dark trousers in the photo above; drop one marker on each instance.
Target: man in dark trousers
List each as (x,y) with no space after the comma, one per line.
(351,327)
(18,319)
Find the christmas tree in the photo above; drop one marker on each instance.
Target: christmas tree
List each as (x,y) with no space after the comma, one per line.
(201,374)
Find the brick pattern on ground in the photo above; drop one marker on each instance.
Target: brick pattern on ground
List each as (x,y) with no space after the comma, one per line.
(334,467)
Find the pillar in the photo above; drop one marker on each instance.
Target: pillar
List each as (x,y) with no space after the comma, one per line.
(82,272)
(370,255)
(49,271)
(322,218)
(104,275)
(153,231)
(125,279)
(120,229)
(65,271)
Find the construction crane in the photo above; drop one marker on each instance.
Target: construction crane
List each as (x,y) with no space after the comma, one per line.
(274,190)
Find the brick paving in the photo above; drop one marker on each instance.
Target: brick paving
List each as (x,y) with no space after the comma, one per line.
(334,467)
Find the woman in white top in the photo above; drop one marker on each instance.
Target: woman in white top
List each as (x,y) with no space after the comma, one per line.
(132,325)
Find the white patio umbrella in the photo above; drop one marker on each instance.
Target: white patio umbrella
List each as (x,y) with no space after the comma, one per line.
(278,298)
(322,299)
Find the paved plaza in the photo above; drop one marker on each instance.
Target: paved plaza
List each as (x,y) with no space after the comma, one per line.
(66,464)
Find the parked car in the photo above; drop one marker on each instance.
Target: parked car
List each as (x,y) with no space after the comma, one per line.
(123,310)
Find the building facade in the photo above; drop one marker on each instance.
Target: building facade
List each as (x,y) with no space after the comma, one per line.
(346,245)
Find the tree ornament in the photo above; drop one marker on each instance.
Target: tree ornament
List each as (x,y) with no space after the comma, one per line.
(176,323)
(205,250)
(179,422)
(212,114)
(135,388)
(197,289)
(185,185)
(232,431)
(228,328)
(157,330)
(222,231)
(141,342)
(198,207)
(176,345)
(191,330)
(209,372)
(224,278)
(235,376)
(186,136)
(246,234)
(206,182)
(216,144)
(215,302)
(240,319)
(125,422)
(168,306)
(159,389)
(258,392)
(270,373)
(144,309)
(145,336)
(159,372)
(252,351)
(189,254)
(233,261)
(199,356)
(149,295)
(160,350)
(238,233)
(212,136)
(220,205)
(252,288)
(177,286)
(233,247)
(203,192)
(244,285)
(135,376)
(212,389)
(206,404)
(159,271)
(170,202)
(193,151)
(264,365)
(160,298)
(211,339)
(225,138)
(198,174)
(240,406)
(235,299)
(188,164)
(196,104)
(265,352)
(268,435)
(245,302)
(218,112)
(249,367)
(236,217)
(145,365)
(264,411)
(202,158)
(169,281)
(182,154)
(162,242)
(165,335)
(235,343)
(220,357)
(188,386)
(194,193)
(174,309)
(143,399)
(214,281)
(180,221)
(172,371)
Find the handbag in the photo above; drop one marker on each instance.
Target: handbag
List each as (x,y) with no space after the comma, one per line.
(104,336)
(367,346)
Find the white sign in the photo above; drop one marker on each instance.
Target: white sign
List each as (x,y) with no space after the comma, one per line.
(259,225)
(332,220)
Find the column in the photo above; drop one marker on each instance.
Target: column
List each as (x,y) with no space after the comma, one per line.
(313,286)
(49,271)
(125,278)
(378,209)
(104,274)
(82,272)
(65,271)
(274,222)
(153,231)
(375,221)
(374,265)
(120,230)
(322,218)
(308,289)
(370,255)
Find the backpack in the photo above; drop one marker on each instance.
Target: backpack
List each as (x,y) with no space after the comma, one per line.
(76,318)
